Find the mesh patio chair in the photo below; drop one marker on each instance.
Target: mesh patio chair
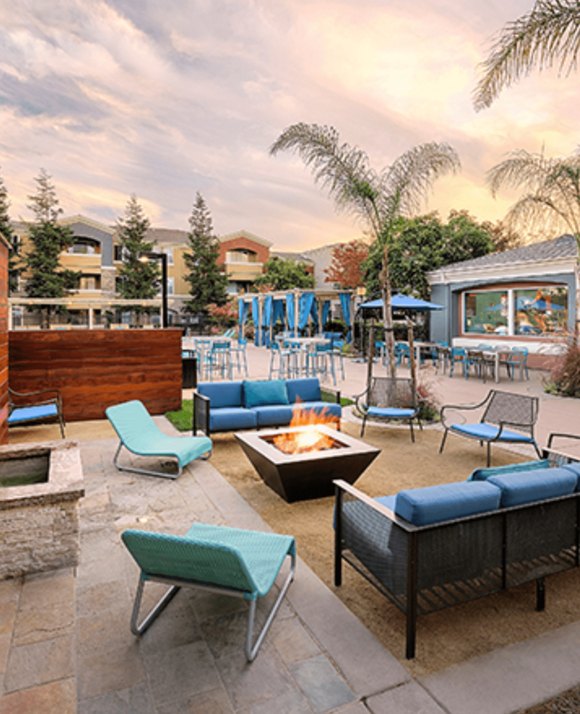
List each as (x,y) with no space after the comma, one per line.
(227,561)
(507,418)
(391,399)
(140,435)
(35,408)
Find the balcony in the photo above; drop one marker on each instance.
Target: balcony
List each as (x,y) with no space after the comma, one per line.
(242,270)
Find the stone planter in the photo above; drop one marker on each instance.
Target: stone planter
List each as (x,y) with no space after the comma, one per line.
(39,524)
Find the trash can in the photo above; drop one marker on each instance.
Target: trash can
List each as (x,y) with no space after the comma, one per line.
(189,369)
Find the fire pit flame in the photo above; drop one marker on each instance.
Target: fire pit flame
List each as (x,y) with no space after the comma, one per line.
(309,439)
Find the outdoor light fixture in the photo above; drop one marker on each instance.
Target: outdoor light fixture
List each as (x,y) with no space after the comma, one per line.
(145,258)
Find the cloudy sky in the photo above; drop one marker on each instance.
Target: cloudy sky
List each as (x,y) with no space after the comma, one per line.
(163,99)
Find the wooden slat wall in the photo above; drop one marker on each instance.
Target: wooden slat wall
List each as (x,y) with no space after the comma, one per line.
(97,368)
(3,343)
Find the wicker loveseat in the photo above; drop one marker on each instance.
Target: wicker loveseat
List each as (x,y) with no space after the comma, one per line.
(431,548)
(255,404)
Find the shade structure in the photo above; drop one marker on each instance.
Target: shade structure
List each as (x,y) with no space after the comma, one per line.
(402,302)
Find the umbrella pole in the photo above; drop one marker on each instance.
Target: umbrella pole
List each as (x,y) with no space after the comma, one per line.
(371,354)
(412,361)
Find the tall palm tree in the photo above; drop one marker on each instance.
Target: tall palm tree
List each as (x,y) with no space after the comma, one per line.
(375,198)
(549,34)
(551,195)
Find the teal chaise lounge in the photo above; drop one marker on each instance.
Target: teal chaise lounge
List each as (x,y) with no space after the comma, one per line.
(139,434)
(227,561)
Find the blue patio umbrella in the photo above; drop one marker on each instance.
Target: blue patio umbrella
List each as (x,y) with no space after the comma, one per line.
(402,302)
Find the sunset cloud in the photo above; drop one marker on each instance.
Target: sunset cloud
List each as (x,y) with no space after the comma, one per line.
(166,99)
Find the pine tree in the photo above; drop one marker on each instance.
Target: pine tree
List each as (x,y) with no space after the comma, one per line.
(139,279)
(9,236)
(208,284)
(48,239)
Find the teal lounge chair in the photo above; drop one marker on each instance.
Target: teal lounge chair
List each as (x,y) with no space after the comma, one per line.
(139,434)
(227,561)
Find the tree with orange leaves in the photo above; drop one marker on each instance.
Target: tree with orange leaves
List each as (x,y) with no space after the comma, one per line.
(345,270)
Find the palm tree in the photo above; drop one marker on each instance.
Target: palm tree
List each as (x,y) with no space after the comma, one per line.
(375,198)
(549,34)
(551,198)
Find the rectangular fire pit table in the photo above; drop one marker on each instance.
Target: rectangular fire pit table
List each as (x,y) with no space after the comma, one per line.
(307,474)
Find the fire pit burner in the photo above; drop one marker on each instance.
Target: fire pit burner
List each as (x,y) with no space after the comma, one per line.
(301,463)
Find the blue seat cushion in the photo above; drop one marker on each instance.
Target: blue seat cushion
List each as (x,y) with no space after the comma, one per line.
(265,392)
(222,394)
(22,414)
(529,486)
(574,468)
(391,413)
(388,501)
(422,506)
(231,418)
(331,409)
(304,390)
(273,415)
(485,432)
(484,474)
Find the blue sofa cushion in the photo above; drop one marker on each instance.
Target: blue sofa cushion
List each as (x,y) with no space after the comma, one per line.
(304,390)
(529,486)
(331,409)
(265,392)
(574,468)
(42,411)
(485,432)
(231,418)
(222,394)
(422,506)
(391,412)
(273,415)
(484,474)
(388,501)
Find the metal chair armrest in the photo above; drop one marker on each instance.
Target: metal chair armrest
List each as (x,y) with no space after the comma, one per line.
(201,410)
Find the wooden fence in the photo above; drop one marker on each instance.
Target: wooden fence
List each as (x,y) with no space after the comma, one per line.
(93,369)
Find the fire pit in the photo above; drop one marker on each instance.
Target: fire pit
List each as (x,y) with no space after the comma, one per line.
(300,463)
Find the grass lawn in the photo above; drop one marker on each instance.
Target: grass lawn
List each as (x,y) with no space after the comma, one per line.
(183,418)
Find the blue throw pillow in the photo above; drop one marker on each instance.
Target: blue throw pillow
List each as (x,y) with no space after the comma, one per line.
(484,474)
(259,393)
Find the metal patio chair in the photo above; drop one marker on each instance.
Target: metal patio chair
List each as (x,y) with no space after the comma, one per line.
(140,435)
(507,418)
(226,561)
(28,408)
(389,399)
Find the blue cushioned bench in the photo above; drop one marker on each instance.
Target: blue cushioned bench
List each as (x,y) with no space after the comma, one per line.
(255,404)
(431,548)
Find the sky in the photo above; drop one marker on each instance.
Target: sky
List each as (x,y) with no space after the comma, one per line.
(165,99)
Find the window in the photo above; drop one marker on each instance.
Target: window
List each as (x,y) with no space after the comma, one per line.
(486,312)
(170,286)
(169,253)
(119,253)
(241,256)
(541,311)
(90,282)
(85,246)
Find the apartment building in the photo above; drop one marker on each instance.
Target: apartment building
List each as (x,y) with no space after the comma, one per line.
(96,255)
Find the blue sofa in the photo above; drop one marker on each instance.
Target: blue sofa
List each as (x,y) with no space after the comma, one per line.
(256,404)
(431,548)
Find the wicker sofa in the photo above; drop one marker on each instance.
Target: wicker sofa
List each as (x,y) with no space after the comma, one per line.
(255,404)
(431,548)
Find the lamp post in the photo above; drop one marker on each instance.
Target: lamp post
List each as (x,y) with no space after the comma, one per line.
(163,258)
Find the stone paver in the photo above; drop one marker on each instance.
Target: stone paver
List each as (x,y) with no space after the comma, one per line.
(321,684)
(56,697)
(513,678)
(409,698)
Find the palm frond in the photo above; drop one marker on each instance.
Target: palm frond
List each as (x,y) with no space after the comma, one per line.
(406,183)
(552,189)
(340,169)
(548,34)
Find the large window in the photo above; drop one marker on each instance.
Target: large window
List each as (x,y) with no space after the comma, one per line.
(90,282)
(531,312)
(85,246)
(486,312)
(541,311)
